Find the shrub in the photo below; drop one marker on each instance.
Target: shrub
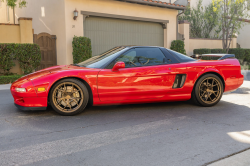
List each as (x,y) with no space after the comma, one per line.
(238,52)
(178,46)
(9,79)
(247,56)
(28,55)
(6,57)
(218,51)
(81,49)
(202,51)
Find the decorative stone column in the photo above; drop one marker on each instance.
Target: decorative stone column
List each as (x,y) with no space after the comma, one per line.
(26,30)
(184,30)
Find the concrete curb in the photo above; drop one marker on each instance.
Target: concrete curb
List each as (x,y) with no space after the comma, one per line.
(5,86)
(239,159)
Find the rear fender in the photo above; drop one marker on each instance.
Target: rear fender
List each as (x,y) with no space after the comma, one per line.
(210,71)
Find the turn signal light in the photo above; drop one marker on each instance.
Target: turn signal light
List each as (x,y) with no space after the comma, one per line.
(41,89)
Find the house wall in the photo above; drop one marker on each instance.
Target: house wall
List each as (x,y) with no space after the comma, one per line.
(116,8)
(207,43)
(58,19)
(10,33)
(52,21)
(244,37)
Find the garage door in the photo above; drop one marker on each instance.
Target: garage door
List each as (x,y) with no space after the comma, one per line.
(106,33)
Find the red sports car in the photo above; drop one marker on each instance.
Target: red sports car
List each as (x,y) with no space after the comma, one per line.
(126,75)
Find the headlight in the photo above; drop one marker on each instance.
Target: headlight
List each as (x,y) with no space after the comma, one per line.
(20,89)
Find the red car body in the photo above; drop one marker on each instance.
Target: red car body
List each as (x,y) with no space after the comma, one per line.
(128,85)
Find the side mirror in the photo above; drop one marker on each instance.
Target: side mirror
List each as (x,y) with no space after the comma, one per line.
(118,65)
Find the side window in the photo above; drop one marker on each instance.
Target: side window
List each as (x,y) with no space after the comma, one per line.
(139,57)
(170,58)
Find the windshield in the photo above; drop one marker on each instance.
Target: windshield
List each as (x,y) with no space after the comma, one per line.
(99,60)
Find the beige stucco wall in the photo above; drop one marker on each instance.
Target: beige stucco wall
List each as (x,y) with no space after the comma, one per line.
(207,43)
(18,33)
(10,34)
(184,30)
(26,33)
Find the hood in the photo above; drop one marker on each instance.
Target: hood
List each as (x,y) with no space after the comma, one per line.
(49,70)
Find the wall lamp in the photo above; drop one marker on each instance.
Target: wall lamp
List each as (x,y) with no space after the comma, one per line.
(75,14)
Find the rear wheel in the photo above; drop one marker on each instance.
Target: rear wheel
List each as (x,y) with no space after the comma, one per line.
(208,90)
(69,97)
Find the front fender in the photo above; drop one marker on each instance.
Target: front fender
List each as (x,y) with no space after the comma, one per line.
(49,80)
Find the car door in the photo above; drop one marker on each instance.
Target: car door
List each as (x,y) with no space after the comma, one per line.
(146,76)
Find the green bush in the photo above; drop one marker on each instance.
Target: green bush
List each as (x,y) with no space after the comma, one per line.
(202,51)
(178,46)
(6,57)
(9,79)
(238,52)
(247,56)
(81,49)
(28,55)
(218,51)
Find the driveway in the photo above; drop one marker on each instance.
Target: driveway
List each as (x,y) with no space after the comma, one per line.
(164,134)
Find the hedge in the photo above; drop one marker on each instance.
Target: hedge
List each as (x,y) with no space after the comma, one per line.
(202,51)
(218,51)
(9,79)
(28,56)
(178,46)
(81,49)
(242,54)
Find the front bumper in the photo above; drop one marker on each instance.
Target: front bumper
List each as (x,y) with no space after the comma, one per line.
(29,108)
(28,98)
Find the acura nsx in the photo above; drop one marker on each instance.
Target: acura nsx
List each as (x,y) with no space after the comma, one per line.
(127,75)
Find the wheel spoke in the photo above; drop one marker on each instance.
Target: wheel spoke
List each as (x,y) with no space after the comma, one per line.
(75,101)
(204,93)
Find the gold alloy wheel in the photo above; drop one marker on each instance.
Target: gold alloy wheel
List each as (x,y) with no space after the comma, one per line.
(67,97)
(210,90)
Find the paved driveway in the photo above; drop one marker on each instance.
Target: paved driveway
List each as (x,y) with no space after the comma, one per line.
(146,134)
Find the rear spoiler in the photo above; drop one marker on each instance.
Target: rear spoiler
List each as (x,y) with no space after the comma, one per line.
(223,56)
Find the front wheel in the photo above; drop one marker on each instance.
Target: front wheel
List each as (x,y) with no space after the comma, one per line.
(69,97)
(208,90)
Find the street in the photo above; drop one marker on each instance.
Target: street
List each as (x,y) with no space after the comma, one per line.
(161,134)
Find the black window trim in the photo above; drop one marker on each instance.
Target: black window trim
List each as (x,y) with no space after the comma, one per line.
(111,61)
(178,61)
(176,57)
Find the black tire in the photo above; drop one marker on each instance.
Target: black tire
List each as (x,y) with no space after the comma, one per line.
(69,97)
(208,90)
